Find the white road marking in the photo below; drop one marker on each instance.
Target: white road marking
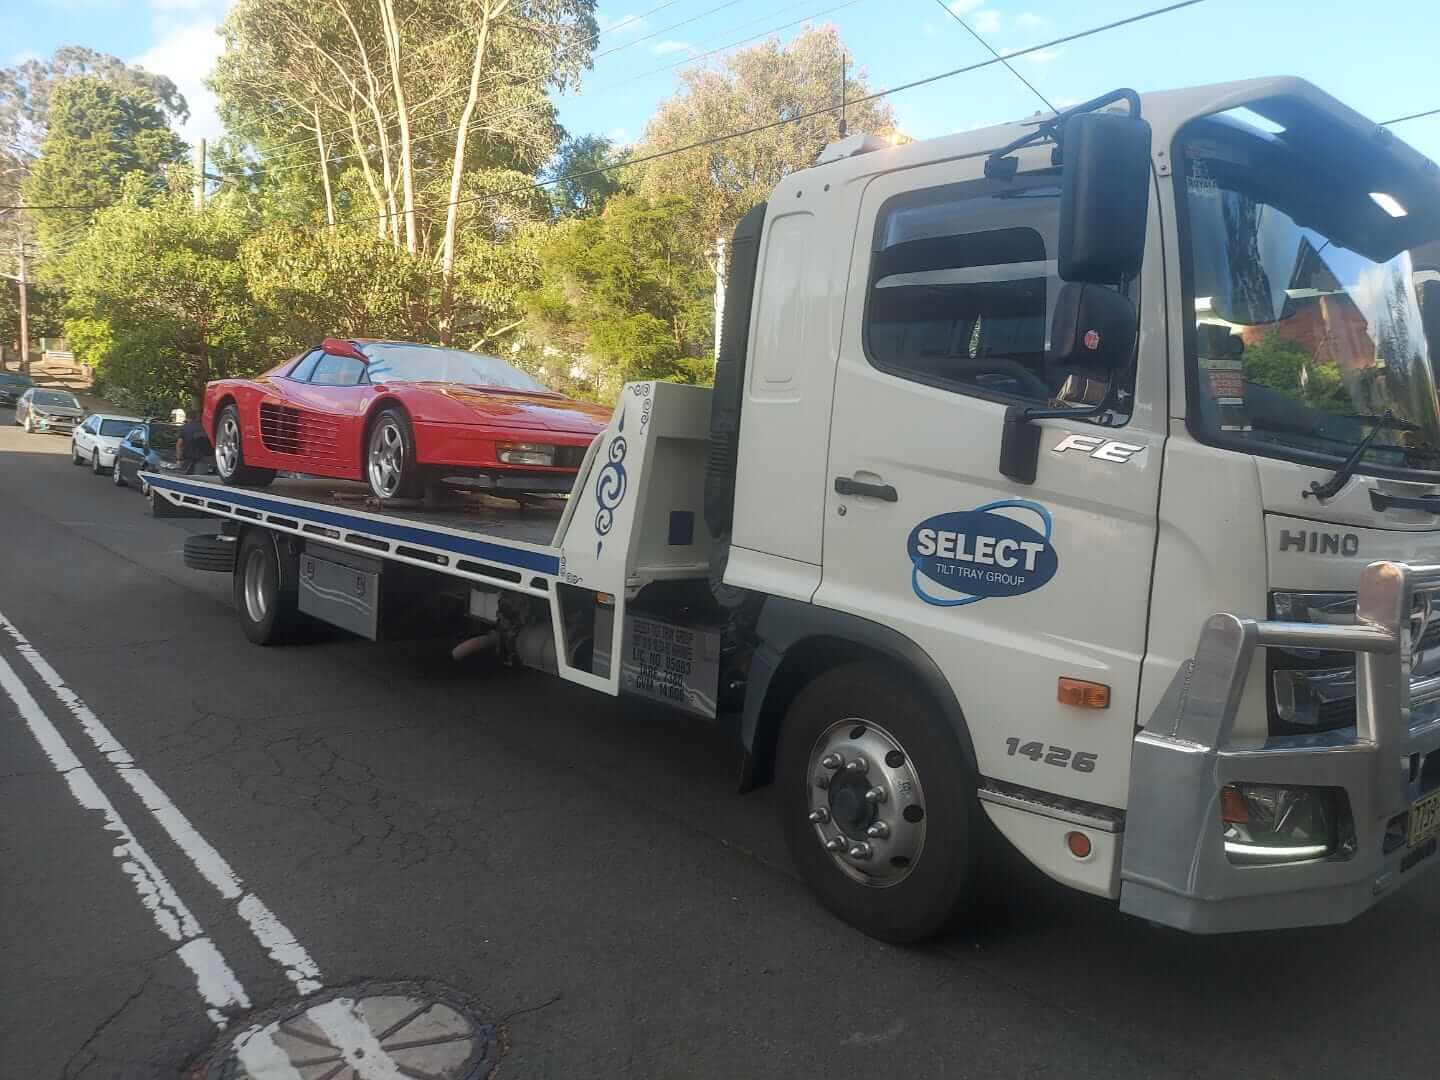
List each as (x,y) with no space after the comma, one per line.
(344,1029)
(267,928)
(262,1059)
(355,1041)
(213,976)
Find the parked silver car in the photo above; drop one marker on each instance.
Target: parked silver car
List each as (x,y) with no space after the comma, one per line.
(40,409)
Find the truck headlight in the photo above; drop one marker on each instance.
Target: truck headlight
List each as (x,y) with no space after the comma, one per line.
(524,453)
(1311,689)
(1271,823)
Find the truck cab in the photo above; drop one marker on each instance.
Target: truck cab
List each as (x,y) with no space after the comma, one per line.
(1265,429)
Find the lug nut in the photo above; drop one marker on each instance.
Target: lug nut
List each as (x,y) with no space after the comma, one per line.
(859,765)
(832,761)
(819,817)
(879,830)
(860,850)
(876,795)
(835,843)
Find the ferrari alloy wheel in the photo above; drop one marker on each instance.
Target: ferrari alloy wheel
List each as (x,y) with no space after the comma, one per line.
(230,453)
(390,458)
(227,444)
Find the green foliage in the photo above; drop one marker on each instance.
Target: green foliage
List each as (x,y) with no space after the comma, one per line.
(1285,364)
(99,134)
(625,295)
(316,282)
(46,316)
(586,189)
(157,297)
(750,88)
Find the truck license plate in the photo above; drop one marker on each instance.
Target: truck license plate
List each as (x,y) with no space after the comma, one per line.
(1425,818)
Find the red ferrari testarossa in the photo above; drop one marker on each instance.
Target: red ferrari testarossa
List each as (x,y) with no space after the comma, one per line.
(395,413)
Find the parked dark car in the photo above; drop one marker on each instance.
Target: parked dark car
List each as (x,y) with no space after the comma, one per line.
(150,447)
(40,409)
(12,385)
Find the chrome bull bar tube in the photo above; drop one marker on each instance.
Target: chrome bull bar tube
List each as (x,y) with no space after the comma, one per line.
(1174,867)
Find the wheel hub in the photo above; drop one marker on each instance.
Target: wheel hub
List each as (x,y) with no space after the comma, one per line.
(866,804)
(227,446)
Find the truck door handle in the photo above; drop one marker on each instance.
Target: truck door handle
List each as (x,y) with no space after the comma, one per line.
(884,492)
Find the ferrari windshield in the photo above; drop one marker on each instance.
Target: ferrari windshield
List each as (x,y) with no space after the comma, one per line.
(427,363)
(1303,344)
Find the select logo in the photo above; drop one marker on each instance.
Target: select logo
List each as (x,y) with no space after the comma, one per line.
(964,556)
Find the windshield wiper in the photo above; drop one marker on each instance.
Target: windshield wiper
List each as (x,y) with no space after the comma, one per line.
(1347,468)
(1385,420)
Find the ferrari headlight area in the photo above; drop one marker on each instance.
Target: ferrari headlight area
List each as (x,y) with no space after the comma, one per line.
(1311,689)
(1270,824)
(525,453)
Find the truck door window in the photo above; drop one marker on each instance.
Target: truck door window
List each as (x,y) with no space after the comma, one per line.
(962,282)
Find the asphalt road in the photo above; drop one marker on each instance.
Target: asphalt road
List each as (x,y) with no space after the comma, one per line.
(582,870)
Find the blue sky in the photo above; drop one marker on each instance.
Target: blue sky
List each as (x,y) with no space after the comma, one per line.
(1380,58)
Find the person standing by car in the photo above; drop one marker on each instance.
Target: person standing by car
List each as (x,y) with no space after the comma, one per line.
(194,445)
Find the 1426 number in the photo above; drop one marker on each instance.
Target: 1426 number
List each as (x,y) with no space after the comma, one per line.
(1058,756)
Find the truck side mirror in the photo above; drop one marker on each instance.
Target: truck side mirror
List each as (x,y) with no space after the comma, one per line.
(1104,197)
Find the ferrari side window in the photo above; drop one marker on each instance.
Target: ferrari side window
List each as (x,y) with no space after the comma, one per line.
(337,371)
(301,372)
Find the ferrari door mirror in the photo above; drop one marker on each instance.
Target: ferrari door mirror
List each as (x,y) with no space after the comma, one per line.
(339,347)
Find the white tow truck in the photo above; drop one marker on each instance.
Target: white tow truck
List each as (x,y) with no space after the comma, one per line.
(1078,477)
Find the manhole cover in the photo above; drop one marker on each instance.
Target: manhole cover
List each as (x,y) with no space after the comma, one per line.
(392,1032)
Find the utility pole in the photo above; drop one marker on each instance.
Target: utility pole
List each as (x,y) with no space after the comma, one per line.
(717,264)
(844,63)
(200,174)
(24,316)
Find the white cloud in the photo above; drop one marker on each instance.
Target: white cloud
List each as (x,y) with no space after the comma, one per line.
(186,51)
(1043,56)
(961,7)
(665,48)
(619,136)
(987,21)
(1028,20)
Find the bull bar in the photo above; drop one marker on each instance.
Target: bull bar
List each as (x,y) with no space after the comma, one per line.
(1174,867)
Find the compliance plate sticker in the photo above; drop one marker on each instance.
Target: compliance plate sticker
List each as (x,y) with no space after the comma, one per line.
(679,665)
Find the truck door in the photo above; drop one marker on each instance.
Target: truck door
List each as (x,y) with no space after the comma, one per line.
(1008,587)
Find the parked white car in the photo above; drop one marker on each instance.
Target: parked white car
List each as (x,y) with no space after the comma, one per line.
(96,440)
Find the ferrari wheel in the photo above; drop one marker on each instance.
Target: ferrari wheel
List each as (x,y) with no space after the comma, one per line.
(390,463)
(230,453)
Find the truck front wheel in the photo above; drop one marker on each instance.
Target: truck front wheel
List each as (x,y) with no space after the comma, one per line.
(877,805)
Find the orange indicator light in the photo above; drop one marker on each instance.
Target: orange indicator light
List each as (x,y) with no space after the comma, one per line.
(1083,695)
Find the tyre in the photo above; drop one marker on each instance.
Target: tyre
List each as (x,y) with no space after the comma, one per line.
(95,466)
(265,589)
(877,804)
(230,453)
(74,453)
(211,552)
(390,463)
(116,476)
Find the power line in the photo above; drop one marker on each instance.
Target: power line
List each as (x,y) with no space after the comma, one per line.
(971,31)
(1412,116)
(769,125)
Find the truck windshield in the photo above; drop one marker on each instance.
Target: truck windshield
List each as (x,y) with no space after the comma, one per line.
(1303,344)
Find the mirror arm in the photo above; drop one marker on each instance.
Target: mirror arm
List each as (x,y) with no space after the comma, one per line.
(1000,166)
(1020,438)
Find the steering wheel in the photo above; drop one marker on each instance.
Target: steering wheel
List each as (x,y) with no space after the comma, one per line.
(1031,384)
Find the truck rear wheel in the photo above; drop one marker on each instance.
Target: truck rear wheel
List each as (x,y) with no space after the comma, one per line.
(877,805)
(266,597)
